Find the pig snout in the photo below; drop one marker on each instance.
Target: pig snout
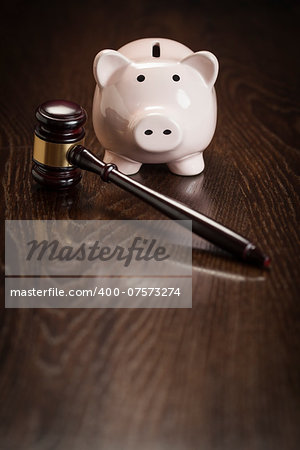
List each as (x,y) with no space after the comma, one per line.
(157,133)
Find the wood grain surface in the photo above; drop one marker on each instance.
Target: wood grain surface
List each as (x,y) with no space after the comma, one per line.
(223,375)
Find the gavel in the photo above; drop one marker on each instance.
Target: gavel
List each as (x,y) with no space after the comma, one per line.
(59,154)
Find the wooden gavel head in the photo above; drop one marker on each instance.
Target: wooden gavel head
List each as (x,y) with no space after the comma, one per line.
(59,127)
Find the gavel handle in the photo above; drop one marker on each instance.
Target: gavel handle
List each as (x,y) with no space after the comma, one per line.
(202,225)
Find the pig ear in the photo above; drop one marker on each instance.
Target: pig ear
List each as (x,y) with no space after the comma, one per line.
(206,64)
(106,63)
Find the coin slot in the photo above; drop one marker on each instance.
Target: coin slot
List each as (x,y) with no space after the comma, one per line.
(156,50)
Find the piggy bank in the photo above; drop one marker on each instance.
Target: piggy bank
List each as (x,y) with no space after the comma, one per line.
(155,102)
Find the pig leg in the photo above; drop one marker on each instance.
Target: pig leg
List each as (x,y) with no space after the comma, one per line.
(189,165)
(125,165)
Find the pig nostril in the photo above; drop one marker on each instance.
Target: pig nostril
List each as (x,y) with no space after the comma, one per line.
(167,132)
(148,132)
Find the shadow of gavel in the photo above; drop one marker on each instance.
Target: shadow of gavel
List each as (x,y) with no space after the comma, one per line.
(59,154)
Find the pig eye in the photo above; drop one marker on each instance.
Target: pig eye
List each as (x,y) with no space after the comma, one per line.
(140,78)
(176,77)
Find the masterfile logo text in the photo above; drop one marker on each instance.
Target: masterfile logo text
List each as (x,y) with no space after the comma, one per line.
(140,250)
(98,263)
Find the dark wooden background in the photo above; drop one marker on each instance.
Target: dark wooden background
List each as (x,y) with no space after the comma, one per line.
(223,375)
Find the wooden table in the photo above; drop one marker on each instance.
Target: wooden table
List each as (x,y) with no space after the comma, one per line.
(223,375)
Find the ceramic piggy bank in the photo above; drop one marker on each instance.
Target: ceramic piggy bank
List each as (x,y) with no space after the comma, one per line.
(155,102)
